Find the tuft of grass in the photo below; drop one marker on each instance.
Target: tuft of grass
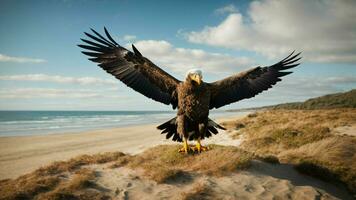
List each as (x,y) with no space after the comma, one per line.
(269,158)
(163,174)
(311,167)
(199,192)
(52,181)
(76,187)
(121,161)
(27,186)
(163,162)
(75,163)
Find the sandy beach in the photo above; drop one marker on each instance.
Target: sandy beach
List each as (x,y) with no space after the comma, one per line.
(23,154)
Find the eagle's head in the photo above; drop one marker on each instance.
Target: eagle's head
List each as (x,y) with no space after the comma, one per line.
(194,75)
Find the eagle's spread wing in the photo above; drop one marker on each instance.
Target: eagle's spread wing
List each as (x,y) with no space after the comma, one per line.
(132,68)
(249,83)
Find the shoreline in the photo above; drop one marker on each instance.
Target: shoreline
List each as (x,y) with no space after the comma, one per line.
(23,154)
(67,130)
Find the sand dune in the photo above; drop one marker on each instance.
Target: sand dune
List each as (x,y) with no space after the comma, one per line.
(253,183)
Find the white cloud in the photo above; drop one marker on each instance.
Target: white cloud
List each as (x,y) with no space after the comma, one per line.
(26,93)
(5,58)
(59,79)
(129,37)
(45,93)
(342,79)
(324,30)
(226,9)
(180,60)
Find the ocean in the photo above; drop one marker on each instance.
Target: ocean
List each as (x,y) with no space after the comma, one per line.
(20,123)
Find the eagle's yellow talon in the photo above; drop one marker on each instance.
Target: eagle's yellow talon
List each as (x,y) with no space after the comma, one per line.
(189,149)
(186,148)
(199,148)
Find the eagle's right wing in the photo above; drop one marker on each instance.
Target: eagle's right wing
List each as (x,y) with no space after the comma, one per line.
(136,71)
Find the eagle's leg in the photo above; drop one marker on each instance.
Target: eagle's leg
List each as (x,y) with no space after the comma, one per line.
(182,131)
(199,147)
(185,148)
(202,130)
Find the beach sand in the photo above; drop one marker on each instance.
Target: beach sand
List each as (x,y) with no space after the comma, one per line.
(23,154)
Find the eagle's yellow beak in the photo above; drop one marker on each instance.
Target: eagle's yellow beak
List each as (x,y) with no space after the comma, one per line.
(197,78)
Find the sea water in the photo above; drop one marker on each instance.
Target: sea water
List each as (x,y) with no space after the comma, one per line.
(19,123)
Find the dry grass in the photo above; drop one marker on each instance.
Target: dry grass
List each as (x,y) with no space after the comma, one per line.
(274,131)
(332,158)
(27,186)
(163,163)
(305,138)
(75,163)
(199,192)
(72,180)
(77,187)
(60,180)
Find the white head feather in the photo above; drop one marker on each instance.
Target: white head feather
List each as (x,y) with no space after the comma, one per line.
(194,71)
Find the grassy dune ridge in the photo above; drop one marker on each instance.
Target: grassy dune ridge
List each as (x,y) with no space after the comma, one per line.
(309,139)
(74,179)
(162,163)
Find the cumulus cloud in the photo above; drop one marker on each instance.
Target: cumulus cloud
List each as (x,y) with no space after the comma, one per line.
(182,59)
(59,79)
(226,9)
(5,58)
(324,30)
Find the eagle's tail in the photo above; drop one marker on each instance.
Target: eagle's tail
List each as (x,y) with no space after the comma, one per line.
(170,129)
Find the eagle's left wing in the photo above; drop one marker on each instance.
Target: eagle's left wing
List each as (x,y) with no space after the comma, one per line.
(249,83)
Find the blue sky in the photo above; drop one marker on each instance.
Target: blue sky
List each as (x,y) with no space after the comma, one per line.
(41,68)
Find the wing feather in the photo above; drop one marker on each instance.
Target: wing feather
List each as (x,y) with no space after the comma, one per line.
(131,68)
(249,83)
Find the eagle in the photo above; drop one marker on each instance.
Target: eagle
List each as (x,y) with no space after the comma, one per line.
(192,97)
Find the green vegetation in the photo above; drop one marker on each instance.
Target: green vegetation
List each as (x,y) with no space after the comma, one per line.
(338,100)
